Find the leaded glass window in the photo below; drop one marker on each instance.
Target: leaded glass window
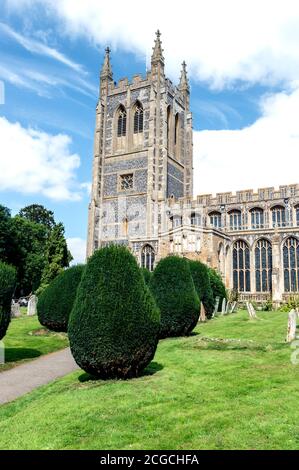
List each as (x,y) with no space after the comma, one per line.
(257,218)
(278,216)
(291,264)
(195,219)
(215,219)
(235,220)
(121,122)
(263,266)
(138,119)
(126,182)
(241,266)
(148,257)
(297,215)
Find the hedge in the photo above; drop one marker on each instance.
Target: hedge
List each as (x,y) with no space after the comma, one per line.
(7,287)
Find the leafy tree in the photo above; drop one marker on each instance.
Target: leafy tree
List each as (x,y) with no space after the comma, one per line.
(7,236)
(39,215)
(201,279)
(57,256)
(114,325)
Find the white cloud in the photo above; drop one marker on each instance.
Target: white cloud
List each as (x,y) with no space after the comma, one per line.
(263,154)
(39,48)
(222,41)
(34,162)
(77,247)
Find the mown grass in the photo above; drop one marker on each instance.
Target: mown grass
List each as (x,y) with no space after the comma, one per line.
(231,385)
(26,339)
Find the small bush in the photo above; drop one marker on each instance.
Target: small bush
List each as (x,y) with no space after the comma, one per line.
(217,285)
(147,275)
(175,294)
(201,279)
(56,301)
(114,325)
(7,287)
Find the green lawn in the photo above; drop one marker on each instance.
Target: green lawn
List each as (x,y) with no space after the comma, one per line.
(26,339)
(229,386)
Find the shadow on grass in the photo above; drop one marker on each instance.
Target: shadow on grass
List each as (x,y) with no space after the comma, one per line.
(151,369)
(17,354)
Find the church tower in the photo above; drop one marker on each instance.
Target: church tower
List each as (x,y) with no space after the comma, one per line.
(142,157)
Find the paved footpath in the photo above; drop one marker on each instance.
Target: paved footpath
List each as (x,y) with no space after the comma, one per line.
(24,378)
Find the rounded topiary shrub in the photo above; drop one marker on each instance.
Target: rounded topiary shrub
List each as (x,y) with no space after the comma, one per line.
(7,287)
(147,275)
(217,285)
(175,294)
(201,279)
(114,325)
(56,301)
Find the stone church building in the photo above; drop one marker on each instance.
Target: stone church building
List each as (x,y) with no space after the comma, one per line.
(142,194)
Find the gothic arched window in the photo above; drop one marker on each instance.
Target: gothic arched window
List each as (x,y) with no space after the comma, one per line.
(215,219)
(291,264)
(168,127)
(148,257)
(195,219)
(263,266)
(278,216)
(241,266)
(121,122)
(297,215)
(235,220)
(138,119)
(176,129)
(257,218)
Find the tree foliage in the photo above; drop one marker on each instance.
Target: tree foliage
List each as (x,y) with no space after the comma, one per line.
(217,285)
(114,325)
(201,279)
(176,297)
(39,215)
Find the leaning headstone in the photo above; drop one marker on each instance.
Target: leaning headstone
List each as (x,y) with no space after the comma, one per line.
(250,310)
(227,307)
(31,308)
(203,315)
(15,310)
(223,306)
(233,307)
(217,300)
(291,334)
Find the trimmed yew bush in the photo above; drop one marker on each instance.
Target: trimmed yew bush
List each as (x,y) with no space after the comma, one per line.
(114,325)
(7,287)
(175,294)
(147,275)
(55,303)
(201,279)
(217,285)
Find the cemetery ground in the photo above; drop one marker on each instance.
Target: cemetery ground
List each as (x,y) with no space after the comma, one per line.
(230,385)
(26,340)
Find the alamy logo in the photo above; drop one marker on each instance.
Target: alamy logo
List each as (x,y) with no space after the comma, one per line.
(2,353)
(295,354)
(2,93)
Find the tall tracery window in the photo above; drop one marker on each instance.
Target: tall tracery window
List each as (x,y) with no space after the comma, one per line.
(291,264)
(215,219)
(278,216)
(148,257)
(168,127)
(138,119)
(121,122)
(297,215)
(235,220)
(263,266)
(257,218)
(241,266)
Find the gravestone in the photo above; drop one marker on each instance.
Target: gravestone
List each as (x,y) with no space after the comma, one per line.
(227,310)
(203,315)
(15,310)
(250,309)
(233,307)
(31,308)
(223,306)
(217,300)
(292,323)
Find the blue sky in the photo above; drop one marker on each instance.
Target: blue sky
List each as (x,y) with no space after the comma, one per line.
(244,73)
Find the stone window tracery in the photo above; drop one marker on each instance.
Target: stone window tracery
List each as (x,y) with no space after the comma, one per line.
(235,220)
(121,122)
(215,219)
(138,119)
(278,216)
(291,264)
(148,257)
(241,266)
(263,266)
(257,218)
